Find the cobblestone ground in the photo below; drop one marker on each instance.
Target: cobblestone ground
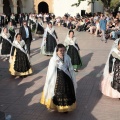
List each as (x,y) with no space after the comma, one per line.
(20,97)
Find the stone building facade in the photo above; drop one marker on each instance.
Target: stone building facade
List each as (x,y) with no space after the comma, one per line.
(58,7)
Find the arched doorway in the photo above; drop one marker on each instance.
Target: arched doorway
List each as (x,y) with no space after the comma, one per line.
(43,7)
(19,6)
(7,7)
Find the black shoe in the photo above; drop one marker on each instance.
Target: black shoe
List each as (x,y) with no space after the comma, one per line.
(112,38)
(65,112)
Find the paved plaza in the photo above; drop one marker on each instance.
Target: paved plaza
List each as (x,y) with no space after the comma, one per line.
(20,97)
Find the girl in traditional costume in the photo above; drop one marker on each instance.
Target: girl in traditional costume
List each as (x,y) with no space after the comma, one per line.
(59,92)
(49,40)
(73,50)
(34,22)
(12,19)
(19,59)
(110,85)
(30,20)
(11,30)
(39,27)
(5,43)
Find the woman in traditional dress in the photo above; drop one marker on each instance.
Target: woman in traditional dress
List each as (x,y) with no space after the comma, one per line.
(19,59)
(6,20)
(11,30)
(6,43)
(59,92)
(30,20)
(73,50)
(110,85)
(49,40)
(34,21)
(45,17)
(12,19)
(39,27)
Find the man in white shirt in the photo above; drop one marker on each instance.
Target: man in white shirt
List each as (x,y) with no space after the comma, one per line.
(26,34)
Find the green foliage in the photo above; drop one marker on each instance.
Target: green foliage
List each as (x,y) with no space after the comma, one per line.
(114,3)
(107,3)
(78,3)
(92,1)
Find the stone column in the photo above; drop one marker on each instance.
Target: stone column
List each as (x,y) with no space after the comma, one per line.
(23,6)
(14,9)
(50,6)
(1,6)
(14,6)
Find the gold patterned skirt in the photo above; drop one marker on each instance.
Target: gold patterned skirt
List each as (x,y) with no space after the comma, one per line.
(20,65)
(64,99)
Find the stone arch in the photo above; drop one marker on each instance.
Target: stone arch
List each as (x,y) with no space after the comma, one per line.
(7,4)
(19,6)
(49,2)
(43,7)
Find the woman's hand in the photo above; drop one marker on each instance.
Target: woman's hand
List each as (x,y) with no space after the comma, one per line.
(111,74)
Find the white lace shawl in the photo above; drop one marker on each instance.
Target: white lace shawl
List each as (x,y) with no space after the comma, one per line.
(52,75)
(51,31)
(106,68)
(19,45)
(6,36)
(70,41)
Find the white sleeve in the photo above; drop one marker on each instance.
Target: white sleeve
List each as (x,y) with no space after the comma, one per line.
(45,34)
(72,74)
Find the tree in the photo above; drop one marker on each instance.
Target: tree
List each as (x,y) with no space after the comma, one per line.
(92,2)
(114,3)
(78,3)
(107,3)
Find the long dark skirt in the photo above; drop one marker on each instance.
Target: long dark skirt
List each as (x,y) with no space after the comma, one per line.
(116,78)
(13,22)
(12,33)
(50,44)
(40,29)
(29,22)
(22,63)
(64,90)
(6,47)
(75,57)
(33,27)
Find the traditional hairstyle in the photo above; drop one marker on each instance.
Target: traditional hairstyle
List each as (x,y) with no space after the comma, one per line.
(17,35)
(59,46)
(49,23)
(4,29)
(71,31)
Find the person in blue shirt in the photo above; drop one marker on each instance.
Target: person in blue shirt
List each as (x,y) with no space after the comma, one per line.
(103,23)
(26,34)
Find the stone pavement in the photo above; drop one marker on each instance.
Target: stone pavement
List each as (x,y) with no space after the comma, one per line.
(20,97)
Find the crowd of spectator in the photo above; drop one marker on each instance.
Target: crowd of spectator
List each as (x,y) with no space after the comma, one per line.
(106,25)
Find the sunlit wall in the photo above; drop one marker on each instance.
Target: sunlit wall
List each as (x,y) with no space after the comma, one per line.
(64,6)
(60,7)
